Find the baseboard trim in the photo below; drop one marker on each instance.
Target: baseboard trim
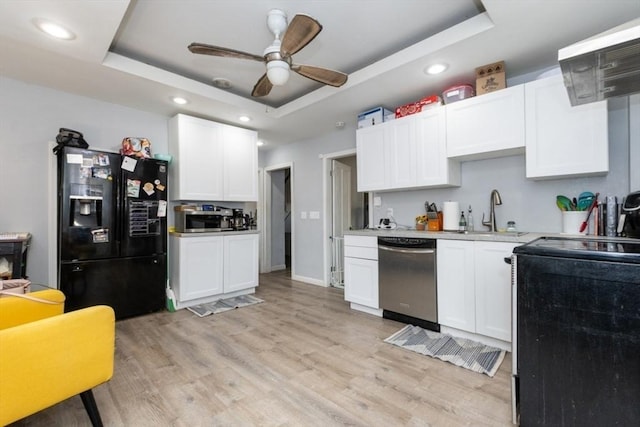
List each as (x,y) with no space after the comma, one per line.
(309,280)
(278,267)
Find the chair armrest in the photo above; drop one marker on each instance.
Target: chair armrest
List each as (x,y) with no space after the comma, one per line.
(47,361)
(17,311)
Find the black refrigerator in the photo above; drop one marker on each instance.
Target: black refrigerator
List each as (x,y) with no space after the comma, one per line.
(112,231)
(577,332)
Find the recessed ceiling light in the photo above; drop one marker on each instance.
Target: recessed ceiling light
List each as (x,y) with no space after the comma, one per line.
(435,68)
(179,100)
(54,29)
(244,118)
(260,143)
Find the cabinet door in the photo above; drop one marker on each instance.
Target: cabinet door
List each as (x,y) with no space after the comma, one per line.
(370,158)
(400,158)
(361,281)
(563,140)
(240,164)
(433,167)
(456,284)
(489,125)
(240,262)
(196,170)
(493,289)
(199,267)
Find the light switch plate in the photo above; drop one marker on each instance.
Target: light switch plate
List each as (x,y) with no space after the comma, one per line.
(377,201)
(314,215)
(303,215)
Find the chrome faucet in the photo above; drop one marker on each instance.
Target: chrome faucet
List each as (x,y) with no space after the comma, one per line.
(495,200)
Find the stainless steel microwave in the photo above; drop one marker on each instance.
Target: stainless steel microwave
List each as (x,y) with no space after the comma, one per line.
(203,221)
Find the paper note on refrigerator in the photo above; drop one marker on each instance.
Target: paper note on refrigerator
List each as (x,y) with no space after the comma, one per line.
(162,208)
(129,164)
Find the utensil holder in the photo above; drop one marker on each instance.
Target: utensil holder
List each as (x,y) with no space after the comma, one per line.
(572,220)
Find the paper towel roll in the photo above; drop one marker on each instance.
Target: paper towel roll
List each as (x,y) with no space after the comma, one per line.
(451,216)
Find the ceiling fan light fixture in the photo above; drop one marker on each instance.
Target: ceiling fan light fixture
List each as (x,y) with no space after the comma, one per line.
(436,68)
(278,72)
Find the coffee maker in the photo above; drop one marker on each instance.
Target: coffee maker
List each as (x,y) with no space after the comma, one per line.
(631,212)
(239,220)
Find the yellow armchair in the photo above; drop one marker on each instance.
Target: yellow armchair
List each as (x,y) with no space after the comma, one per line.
(47,356)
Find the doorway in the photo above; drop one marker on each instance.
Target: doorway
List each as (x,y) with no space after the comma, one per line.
(279,228)
(345,209)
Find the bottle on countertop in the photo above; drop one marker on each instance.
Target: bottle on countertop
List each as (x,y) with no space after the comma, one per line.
(462,224)
(469,220)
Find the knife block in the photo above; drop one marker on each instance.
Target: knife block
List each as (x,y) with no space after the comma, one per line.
(435,224)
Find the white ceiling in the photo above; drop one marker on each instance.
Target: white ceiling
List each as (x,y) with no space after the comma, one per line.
(134,53)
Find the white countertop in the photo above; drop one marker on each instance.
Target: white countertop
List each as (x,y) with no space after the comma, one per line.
(213,233)
(518,237)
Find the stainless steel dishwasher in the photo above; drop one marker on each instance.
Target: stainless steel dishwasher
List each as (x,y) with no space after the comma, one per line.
(407,280)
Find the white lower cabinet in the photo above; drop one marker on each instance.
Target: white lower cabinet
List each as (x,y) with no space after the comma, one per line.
(474,287)
(207,268)
(361,273)
(240,262)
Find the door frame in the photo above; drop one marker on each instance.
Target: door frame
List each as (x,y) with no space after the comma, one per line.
(265,265)
(327,208)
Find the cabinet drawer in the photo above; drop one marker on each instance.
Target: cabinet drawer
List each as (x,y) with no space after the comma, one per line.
(361,252)
(364,241)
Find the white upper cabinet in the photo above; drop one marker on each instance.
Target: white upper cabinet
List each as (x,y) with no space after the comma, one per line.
(370,158)
(212,161)
(409,152)
(433,167)
(486,126)
(562,140)
(196,169)
(240,164)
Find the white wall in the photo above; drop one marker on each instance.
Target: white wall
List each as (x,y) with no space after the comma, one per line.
(307,187)
(30,117)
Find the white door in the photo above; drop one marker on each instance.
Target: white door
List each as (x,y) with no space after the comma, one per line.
(341,217)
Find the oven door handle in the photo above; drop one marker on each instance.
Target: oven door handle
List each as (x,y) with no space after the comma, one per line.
(407,250)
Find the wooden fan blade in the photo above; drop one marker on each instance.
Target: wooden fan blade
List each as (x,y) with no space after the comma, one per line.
(300,32)
(322,75)
(207,49)
(262,87)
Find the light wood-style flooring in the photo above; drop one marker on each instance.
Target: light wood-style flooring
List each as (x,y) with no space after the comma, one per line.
(301,358)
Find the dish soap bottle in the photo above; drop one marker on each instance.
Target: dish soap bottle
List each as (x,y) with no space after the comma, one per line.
(462,224)
(469,220)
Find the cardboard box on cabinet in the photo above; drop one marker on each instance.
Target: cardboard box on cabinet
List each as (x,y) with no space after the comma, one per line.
(490,77)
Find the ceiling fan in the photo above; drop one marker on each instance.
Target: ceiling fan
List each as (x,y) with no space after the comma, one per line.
(277,56)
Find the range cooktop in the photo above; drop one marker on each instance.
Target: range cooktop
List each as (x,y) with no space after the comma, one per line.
(606,249)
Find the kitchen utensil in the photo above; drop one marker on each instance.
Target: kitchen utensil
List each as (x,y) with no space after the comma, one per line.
(593,205)
(564,203)
(585,200)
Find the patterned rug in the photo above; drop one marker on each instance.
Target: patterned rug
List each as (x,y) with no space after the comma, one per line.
(223,305)
(459,351)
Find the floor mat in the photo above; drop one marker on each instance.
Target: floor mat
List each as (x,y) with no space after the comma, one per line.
(462,352)
(223,305)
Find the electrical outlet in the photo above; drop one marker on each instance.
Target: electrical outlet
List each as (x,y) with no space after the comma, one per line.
(389,212)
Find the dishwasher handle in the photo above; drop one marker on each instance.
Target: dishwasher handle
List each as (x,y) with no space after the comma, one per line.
(407,250)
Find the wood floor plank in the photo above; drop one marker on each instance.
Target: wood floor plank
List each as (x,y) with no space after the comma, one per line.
(300,358)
